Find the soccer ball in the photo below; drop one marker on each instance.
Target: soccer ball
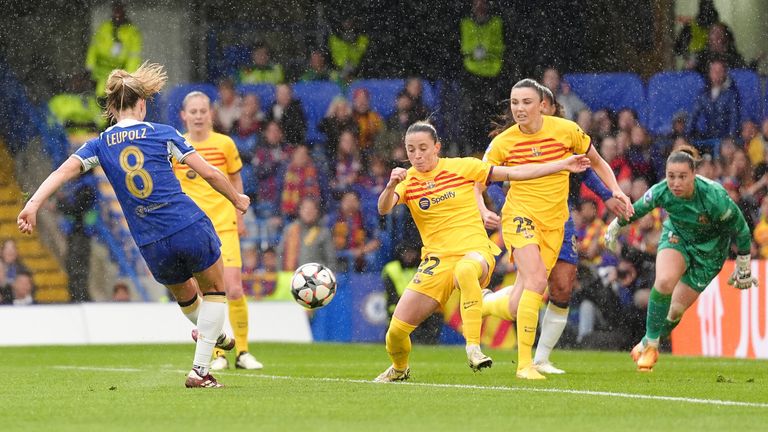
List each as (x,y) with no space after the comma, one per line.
(313,285)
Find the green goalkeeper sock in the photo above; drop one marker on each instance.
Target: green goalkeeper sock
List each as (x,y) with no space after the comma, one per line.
(658,308)
(668,326)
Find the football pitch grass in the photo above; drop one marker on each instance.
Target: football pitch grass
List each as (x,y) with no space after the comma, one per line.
(307,387)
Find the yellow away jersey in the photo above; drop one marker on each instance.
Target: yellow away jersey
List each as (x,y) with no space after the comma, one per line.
(442,203)
(543,199)
(220,151)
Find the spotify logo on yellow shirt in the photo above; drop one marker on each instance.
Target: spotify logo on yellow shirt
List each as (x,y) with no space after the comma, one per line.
(424,203)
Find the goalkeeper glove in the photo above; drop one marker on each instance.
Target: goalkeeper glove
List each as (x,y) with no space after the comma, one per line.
(742,274)
(611,235)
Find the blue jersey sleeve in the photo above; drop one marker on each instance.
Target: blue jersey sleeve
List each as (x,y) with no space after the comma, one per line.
(178,146)
(87,155)
(596,185)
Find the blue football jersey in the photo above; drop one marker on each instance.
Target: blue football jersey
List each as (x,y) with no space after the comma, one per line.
(136,157)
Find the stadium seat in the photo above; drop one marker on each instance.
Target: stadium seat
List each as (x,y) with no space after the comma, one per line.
(233,57)
(315,97)
(668,93)
(265,92)
(748,86)
(383,93)
(176,95)
(613,91)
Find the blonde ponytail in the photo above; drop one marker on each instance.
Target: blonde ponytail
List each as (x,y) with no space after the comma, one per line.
(125,89)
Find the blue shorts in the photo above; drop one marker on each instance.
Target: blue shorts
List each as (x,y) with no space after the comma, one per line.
(173,259)
(568,251)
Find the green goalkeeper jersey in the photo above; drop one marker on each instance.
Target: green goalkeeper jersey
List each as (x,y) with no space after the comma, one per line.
(706,222)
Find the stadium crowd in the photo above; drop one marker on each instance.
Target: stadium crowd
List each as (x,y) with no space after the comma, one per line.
(317,200)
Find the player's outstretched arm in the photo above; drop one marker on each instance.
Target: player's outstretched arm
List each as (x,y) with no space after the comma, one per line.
(218,181)
(605,173)
(28,217)
(575,163)
(387,198)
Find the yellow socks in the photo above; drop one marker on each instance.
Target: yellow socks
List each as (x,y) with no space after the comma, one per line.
(399,342)
(467,272)
(527,321)
(238,319)
(497,304)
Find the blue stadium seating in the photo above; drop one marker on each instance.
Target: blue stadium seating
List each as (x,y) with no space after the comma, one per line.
(748,86)
(175,96)
(315,96)
(265,92)
(668,93)
(613,91)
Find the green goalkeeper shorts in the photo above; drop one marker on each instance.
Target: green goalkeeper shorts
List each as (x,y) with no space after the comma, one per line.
(700,270)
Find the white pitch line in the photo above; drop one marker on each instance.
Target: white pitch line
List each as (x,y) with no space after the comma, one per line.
(717,402)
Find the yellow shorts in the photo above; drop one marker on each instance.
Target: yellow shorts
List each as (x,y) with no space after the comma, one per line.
(230,249)
(522,232)
(434,278)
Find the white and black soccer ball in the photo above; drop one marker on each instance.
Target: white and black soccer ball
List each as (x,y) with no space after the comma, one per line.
(313,285)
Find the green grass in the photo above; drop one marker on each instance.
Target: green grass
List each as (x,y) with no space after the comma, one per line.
(326,387)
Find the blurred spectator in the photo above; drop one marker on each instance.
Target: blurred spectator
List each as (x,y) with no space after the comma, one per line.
(396,275)
(337,119)
(752,142)
(398,123)
(23,289)
(251,118)
(609,149)
(720,46)
(10,258)
(716,110)
(694,35)
(262,70)
(300,181)
(639,155)
(708,168)
(115,45)
(626,119)
(318,70)
(746,204)
(355,235)
(369,122)
(761,231)
(584,119)
(6,293)
(347,165)
(590,232)
(376,176)
(414,89)
(266,277)
(271,156)
(570,102)
(77,109)
(602,124)
(482,52)
(679,124)
(227,108)
(289,114)
(77,201)
(121,293)
(348,47)
(645,233)
(306,240)
(250,268)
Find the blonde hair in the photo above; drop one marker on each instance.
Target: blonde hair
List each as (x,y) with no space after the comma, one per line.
(192,95)
(125,89)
